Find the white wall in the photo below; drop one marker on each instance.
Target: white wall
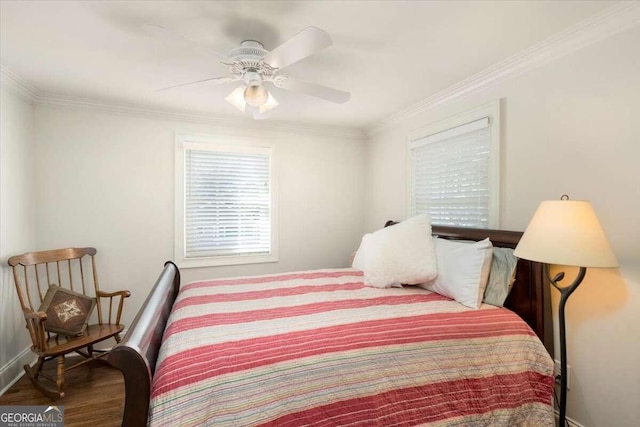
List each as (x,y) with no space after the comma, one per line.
(570,127)
(107,180)
(17,224)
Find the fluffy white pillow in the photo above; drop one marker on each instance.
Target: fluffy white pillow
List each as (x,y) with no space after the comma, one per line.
(463,270)
(397,255)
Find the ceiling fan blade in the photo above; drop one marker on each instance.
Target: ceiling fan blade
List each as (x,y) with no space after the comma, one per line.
(215,80)
(305,43)
(170,36)
(319,91)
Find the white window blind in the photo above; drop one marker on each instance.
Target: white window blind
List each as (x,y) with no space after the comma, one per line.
(451,175)
(227,203)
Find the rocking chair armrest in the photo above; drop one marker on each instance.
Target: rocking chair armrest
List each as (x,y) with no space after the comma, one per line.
(39,316)
(35,324)
(123,294)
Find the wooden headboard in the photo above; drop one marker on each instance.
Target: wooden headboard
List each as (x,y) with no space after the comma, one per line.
(530,297)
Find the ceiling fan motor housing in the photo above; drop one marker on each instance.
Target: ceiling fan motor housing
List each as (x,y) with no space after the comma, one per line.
(252,78)
(250,50)
(251,65)
(248,59)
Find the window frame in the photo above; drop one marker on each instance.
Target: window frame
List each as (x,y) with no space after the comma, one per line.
(184,142)
(491,110)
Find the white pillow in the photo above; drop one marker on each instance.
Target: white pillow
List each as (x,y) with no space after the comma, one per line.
(463,270)
(397,255)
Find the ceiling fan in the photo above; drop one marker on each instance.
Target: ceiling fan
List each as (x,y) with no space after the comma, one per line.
(254,68)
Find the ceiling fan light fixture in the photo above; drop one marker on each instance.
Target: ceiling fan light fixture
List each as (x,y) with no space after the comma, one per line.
(236,98)
(256,95)
(270,104)
(253,66)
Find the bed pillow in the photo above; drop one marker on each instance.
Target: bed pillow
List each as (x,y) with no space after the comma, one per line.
(501,277)
(402,254)
(463,270)
(67,311)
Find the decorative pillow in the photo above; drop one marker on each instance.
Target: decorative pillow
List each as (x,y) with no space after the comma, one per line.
(463,270)
(501,277)
(67,311)
(402,254)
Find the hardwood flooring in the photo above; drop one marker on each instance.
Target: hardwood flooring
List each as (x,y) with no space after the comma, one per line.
(94,395)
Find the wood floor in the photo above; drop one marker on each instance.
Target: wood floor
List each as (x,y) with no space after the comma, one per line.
(94,395)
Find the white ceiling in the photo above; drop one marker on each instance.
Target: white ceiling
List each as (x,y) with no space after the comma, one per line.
(388,54)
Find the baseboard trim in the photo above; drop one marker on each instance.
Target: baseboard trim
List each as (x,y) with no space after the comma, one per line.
(13,371)
(571,422)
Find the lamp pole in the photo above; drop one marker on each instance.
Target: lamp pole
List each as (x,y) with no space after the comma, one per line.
(565,232)
(565,292)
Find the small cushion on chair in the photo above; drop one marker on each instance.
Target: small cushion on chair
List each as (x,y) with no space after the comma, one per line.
(67,311)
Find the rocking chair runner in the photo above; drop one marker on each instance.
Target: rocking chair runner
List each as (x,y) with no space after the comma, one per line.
(33,273)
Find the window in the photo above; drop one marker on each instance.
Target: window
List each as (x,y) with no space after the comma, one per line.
(225,202)
(454,170)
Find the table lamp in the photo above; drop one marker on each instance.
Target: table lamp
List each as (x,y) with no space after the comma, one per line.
(565,232)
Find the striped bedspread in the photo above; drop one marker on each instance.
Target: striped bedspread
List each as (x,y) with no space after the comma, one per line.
(320,348)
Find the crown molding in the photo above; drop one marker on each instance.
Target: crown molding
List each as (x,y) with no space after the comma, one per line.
(16,84)
(224,121)
(613,20)
(618,18)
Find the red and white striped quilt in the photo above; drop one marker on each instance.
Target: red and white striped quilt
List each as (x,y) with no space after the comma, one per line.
(320,348)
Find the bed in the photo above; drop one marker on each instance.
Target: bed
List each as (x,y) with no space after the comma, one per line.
(330,351)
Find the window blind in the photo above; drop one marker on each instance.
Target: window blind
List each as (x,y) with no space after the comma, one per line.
(450,175)
(227,204)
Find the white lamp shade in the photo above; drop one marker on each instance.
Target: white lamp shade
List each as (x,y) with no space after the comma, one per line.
(566,232)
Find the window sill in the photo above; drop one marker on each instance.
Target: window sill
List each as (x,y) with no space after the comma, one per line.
(226,260)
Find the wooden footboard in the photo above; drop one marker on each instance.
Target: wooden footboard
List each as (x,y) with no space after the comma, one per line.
(136,355)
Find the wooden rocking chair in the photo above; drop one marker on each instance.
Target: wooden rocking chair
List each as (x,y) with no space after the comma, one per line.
(33,273)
